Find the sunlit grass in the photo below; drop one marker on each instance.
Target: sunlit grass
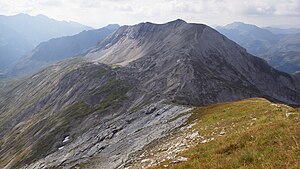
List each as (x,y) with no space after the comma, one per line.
(258,134)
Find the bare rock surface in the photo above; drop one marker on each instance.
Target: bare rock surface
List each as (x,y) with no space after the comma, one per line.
(111,143)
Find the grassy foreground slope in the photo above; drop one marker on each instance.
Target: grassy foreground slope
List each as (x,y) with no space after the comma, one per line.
(252,133)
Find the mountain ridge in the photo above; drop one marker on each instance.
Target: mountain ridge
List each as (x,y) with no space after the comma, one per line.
(126,38)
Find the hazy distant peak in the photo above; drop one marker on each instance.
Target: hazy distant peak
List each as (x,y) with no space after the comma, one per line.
(249,28)
(42,16)
(22,14)
(112,26)
(238,25)
(27,15)
(278,30)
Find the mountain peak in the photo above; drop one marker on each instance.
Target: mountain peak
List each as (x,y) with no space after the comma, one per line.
(112,26)
(42,16)
(178,21)
(22,15)
(174,22)
(240,25)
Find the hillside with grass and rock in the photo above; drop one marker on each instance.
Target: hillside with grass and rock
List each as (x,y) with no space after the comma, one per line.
(153,95)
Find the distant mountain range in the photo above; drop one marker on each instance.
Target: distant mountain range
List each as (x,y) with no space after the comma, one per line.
(58,49)
(276,30)
(134,87)
(20,33)
(12,46)
(281,49)
(39,28)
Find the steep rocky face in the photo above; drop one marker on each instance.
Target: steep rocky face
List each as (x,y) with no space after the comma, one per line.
(129,43)
(178,59)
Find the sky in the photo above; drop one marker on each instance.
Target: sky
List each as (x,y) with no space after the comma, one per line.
(98,13)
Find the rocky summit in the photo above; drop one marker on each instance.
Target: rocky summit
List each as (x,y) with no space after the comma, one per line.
(134,88)
(180,59)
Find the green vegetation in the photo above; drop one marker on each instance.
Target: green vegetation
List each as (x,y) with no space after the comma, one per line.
(95,71)
(115,93)
(258,134)
(52,129)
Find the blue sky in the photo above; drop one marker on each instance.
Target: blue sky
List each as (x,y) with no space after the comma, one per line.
(98,13)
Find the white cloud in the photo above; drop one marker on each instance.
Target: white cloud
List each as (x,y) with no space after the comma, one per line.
(98,13)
